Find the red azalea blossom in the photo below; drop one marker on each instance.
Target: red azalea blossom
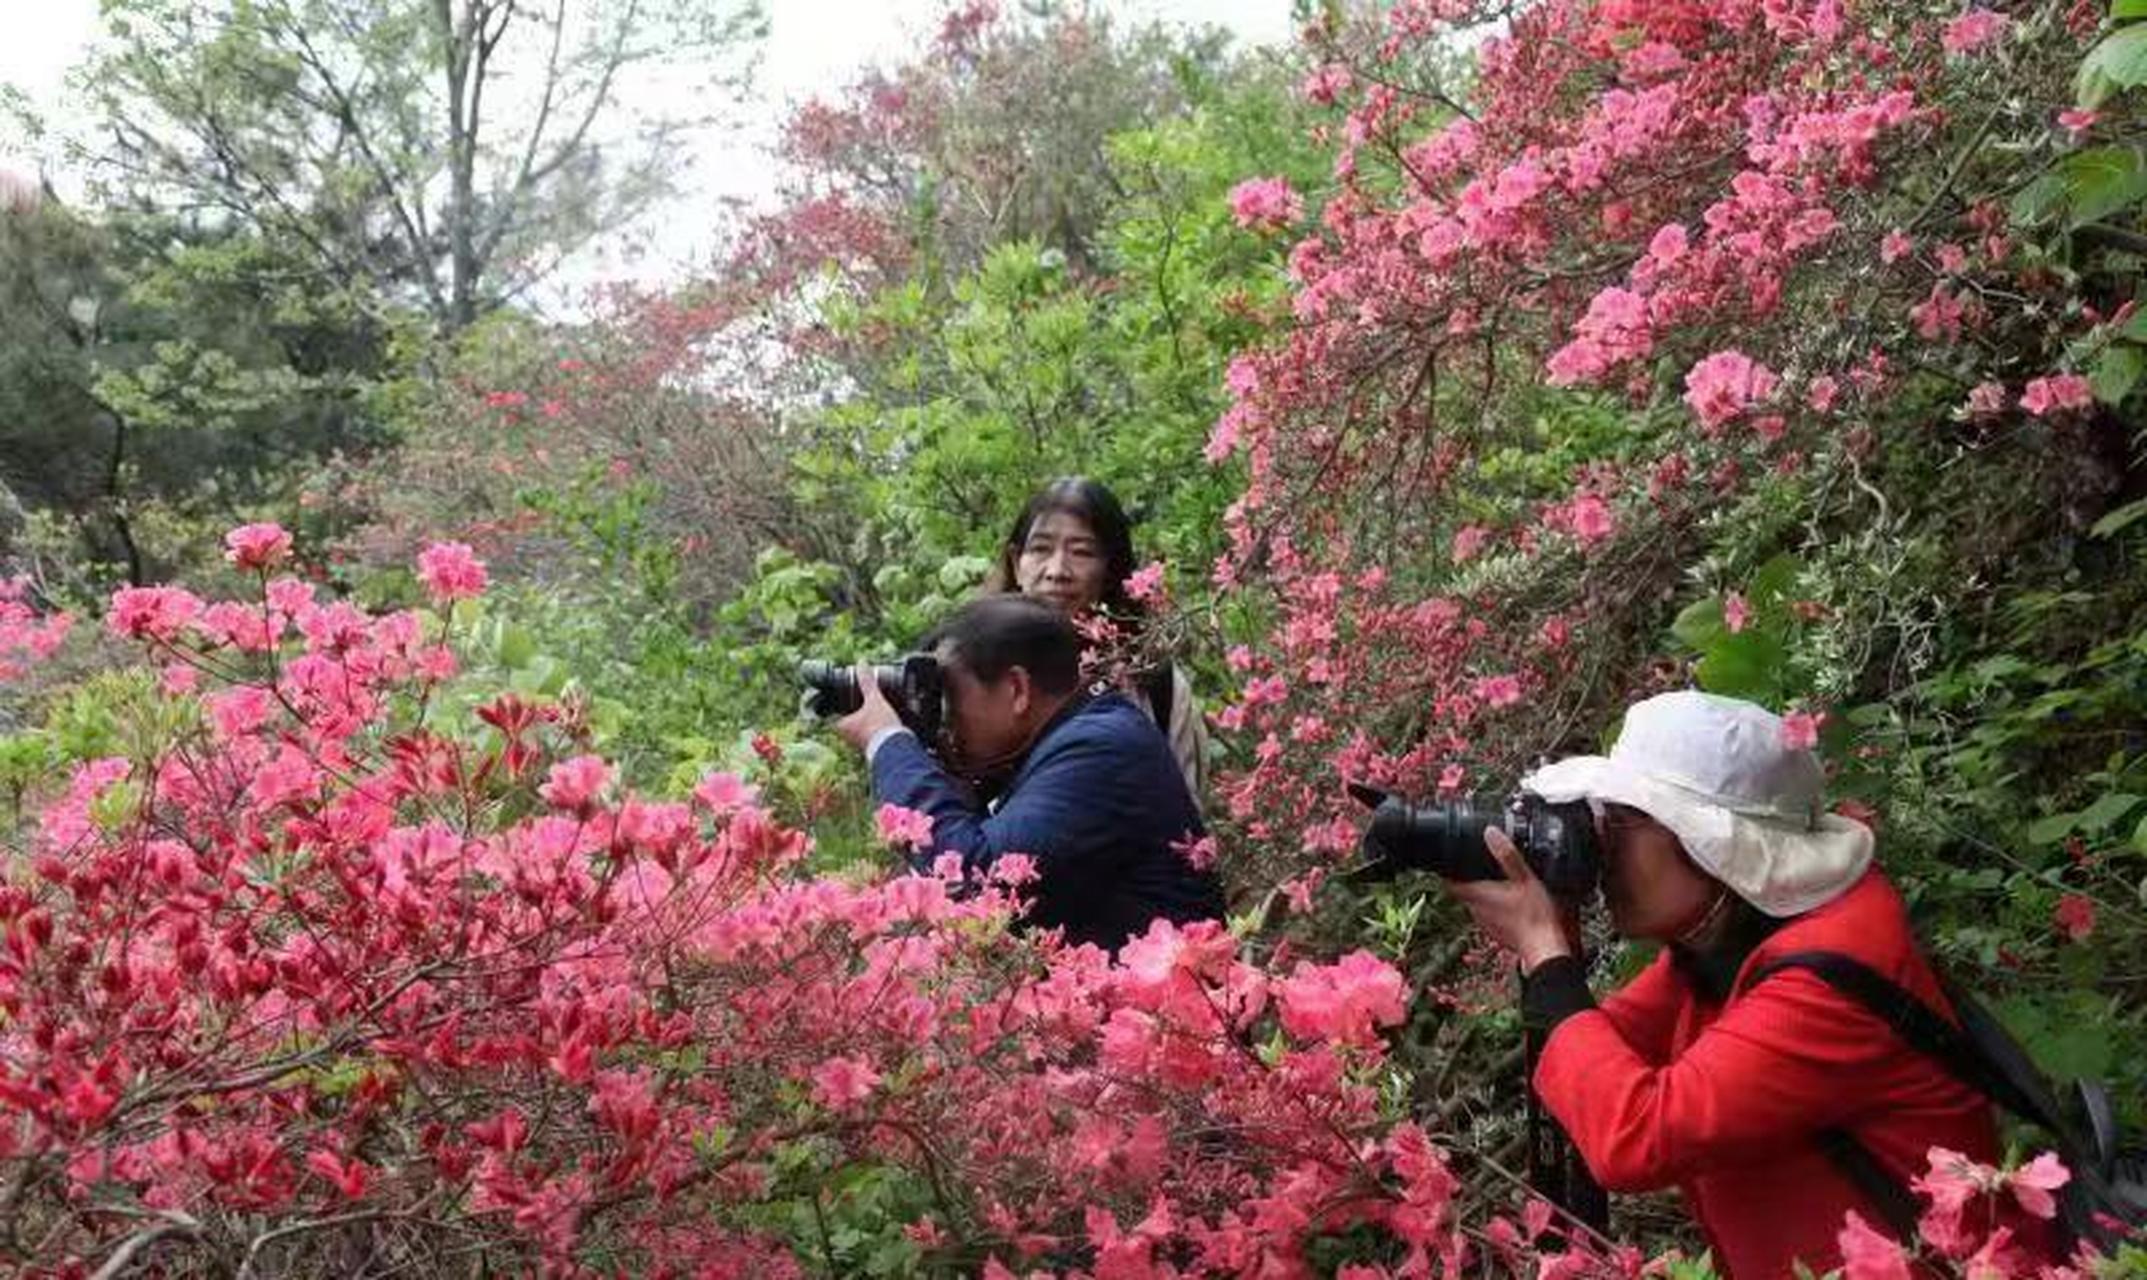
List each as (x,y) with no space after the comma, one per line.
(2074,917)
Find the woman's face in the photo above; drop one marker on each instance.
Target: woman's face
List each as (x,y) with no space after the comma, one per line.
(1061,562)
(1651,886)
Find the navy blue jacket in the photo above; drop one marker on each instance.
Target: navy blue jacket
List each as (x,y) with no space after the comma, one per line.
(1097,804)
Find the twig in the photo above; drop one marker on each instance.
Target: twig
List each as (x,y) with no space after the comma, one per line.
(174,1223)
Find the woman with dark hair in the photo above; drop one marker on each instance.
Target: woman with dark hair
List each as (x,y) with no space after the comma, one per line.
(1073,547)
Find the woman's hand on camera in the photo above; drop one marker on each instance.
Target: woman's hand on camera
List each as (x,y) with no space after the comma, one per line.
(1518,912)
(873,714)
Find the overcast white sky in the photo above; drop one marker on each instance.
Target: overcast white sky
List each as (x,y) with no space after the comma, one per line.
(813,46)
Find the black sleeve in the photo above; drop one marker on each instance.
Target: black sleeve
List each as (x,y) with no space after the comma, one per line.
(1554,991)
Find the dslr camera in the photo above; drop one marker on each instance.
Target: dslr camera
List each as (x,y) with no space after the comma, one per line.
(1557,840)
(913,684)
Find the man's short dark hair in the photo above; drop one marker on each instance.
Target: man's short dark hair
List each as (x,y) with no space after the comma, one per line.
(992,635)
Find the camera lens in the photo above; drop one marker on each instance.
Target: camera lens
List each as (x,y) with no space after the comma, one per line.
(834,686)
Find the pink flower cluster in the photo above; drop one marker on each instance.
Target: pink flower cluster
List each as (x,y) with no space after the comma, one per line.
(2057,393)
(451,571)
(26,636)
(257,546)
(1722,386)
(1265,204)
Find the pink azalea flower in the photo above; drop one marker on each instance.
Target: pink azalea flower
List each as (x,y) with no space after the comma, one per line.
(155,613)
(1265,204)
(1821,394)
(2055,394)
(1499,691)
(1725,384)
(1952,1181)
(1938,317)
(1145,584)
(1895,246)
(576,783)
(2075,918)
(2033,1182)
(901,828)
(257,546)
(349,1176)
(1800,729)
(1591,518)
(451,571)
(1972,30)
(1199,854)
(1870,1255)
(1986,400)
(2076,122)
(725,792)
(1346,1001)
(1324,84)
(842,1082)
(1469,542)
(1736,614)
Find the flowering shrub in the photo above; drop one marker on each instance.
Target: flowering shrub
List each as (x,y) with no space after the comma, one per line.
(1673,287)
(328,971)
(26,636)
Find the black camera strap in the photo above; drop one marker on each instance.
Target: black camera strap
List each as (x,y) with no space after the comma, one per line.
(1555,1168)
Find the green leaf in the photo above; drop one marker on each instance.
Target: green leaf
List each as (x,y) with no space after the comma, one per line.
(2076,1051)
(2139,835)
(2100,815)
(2128,8)
(1745,665)
(2052,829)
(2117,521)
(1772,583)
(1700,623)
(2117,371)
(2119,62)
(2039,199)
(516,647)
(2102,180)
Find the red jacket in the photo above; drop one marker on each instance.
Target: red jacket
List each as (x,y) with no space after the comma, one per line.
(1659,1087)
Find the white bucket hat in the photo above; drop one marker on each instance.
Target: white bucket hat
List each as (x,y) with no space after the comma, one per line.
(1746,806)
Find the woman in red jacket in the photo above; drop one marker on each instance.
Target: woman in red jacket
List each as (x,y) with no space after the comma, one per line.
(1716,843)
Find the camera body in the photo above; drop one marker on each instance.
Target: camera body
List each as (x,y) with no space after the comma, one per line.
(1558,841)
(914,684)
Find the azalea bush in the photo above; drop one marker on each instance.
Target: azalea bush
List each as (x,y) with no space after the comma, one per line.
(1788,349)
(341,965)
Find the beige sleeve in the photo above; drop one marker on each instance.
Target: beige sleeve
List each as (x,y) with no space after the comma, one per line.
(1188,733)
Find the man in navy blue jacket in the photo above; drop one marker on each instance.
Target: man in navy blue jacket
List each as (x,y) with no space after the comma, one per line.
(1091,791)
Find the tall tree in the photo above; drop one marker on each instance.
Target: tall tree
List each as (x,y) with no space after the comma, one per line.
(453,151)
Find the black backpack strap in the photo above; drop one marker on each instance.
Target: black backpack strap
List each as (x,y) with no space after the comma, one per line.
(1889,1195)
(1980,1052)
(1921,1027)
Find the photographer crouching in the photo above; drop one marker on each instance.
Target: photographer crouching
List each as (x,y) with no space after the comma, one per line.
(1773,1100)
(1030,762)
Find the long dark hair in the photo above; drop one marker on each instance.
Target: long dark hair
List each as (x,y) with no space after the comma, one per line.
(1088,500)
